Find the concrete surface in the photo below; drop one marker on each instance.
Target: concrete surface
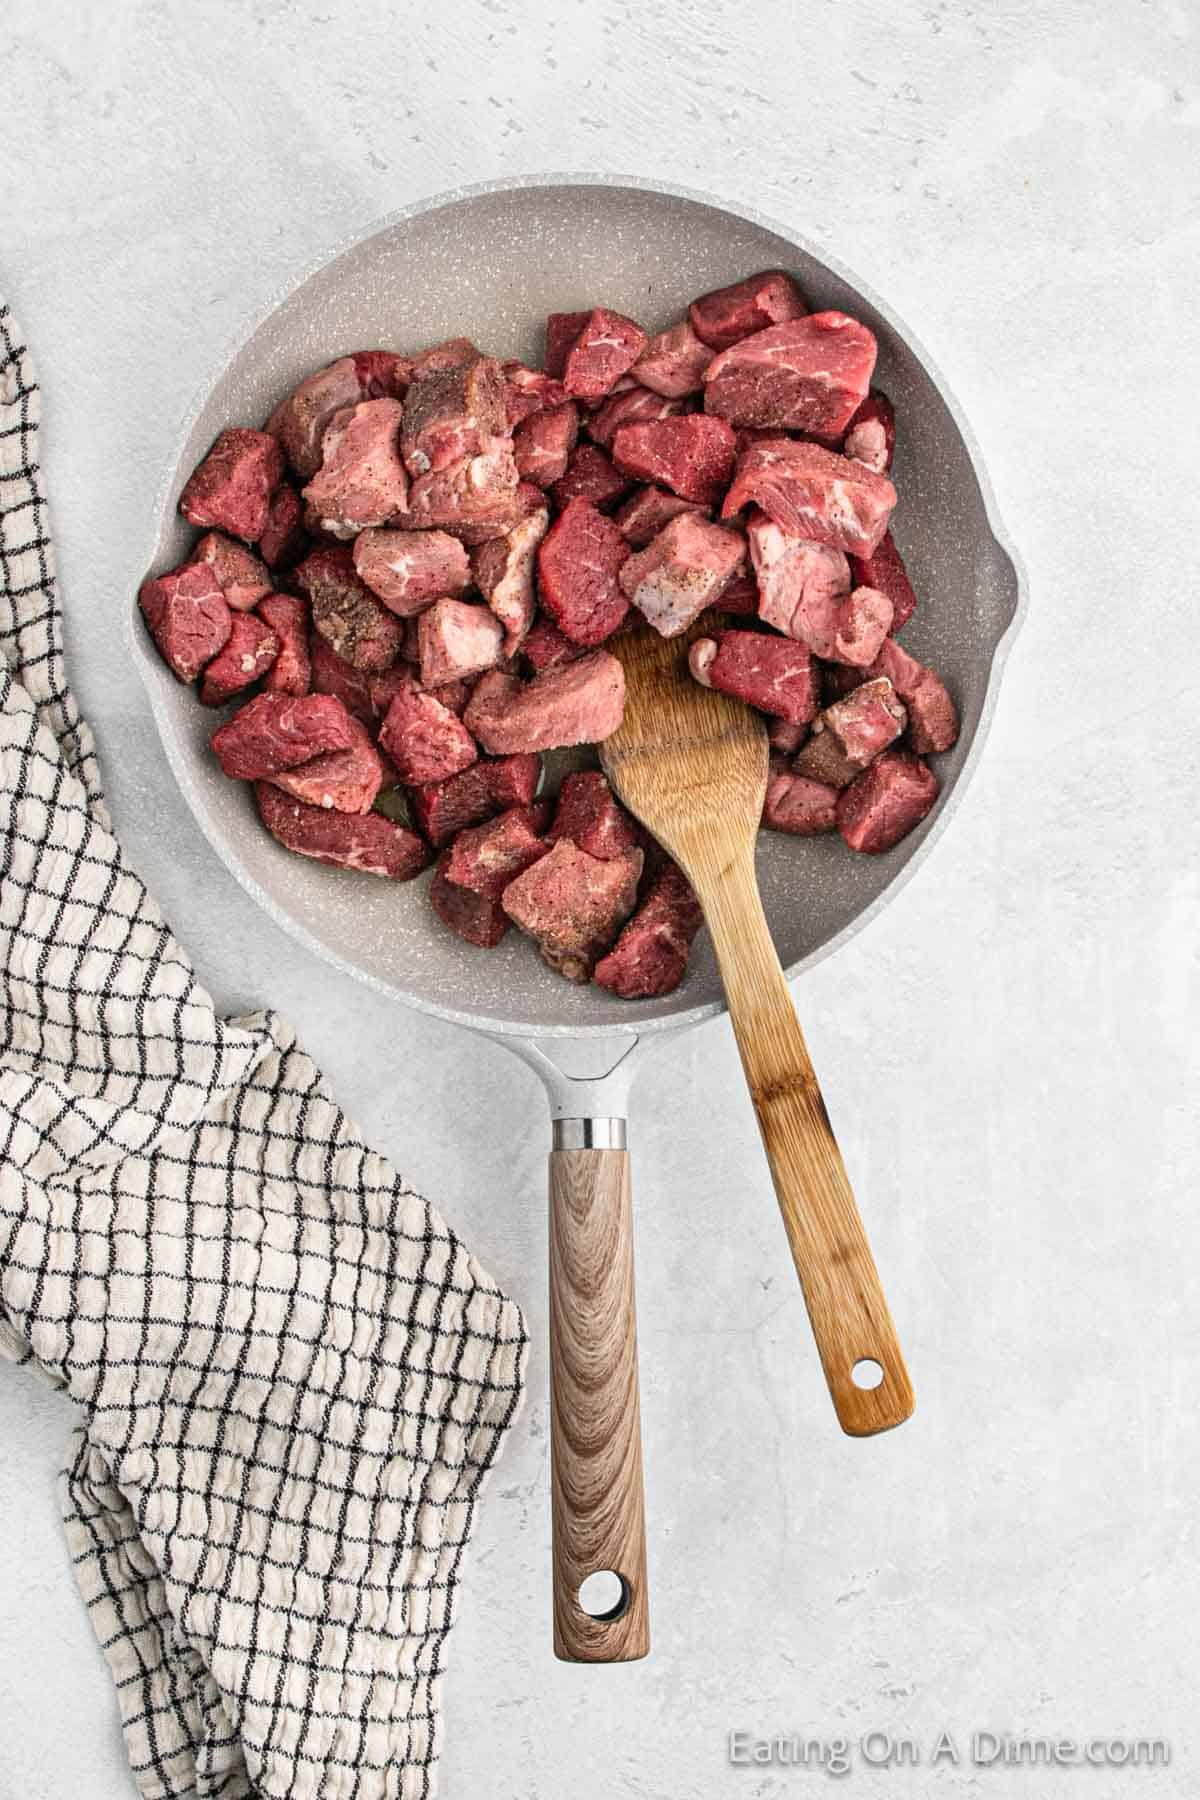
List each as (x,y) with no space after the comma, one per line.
(1010,1053)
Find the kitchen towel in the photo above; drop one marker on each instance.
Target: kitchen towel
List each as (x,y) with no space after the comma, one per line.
(292,1376)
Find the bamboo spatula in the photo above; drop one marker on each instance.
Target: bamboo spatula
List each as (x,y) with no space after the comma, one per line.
(691,764)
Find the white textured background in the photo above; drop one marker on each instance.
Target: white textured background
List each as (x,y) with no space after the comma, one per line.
(1009,1053)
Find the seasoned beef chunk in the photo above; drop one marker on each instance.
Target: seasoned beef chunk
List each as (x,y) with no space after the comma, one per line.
(188,617)
(528,392)
(814,493)
(409,569)
(772,673)
(886,802)
(851,733)
(810,374)
(673,362)
(580,702)
(645,513)
(798,805)
(332,674)
(590,475)
(884,570)
(452,413)
(562,329)
(729,314)
(345,780)
(476,918)
(785,737)
(692,455)
(423,738)
(932,714)
(485,858)
(542,444)
(248,652)
(274,732)
(287,616)
(299,421)
(591,351)
(284,538)
(650,956)
(361,481)
(382,374)
(573,905)
(802,592)
(346,613)
(579,561)
(444,807)
(545,647)
(682,571)
(367,842)
(231,489)
(590,815)
(241,577)
(458,640)
(741,596)
(474,499)
(871,433)
(504,574)
(633,405)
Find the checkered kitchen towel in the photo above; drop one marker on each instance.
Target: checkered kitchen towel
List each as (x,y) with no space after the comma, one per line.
(292,1377)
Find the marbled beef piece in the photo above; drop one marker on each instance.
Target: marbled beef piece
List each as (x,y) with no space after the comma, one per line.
(367,842)
(633,405)
(589,352)
(528,392)
(248,652)
(231,489)
(590,475)
(284,539)
(274,732)
(346,613)
(458,639)
(673,362)
(504,574)
(450,353)
(475,499)
(691,454)
(871,433)
(590,815)
(187,616)
(884,570)
(573,904)
(287,617)
(443,808)
(476,918)
(650,956)
(932,714)
(801,584)
(774,674)
(579,561)
(542,444)
(645,513)
(850,734)
(810,374)
(408,570)
(862,627)
(741,596)
(545,647)
(423,738)
(342,780)
(798,805)
(685,569)
(729,314)
(485,858)
(562,329)
(886,802)
(241,577)
(451,414)
(382,374)
(813,493)
(299,421)
(580,702)
(361,481)
(332,674)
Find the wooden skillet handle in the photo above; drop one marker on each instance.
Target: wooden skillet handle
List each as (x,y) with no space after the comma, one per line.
(595,1427)
(850,1317)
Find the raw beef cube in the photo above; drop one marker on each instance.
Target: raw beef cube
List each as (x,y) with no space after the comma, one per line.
(673,362)
(589,814)
(542,444)
(796,804)
(684,570)
(741,596)
(361,481)
(485,858)
(528,391)
(231,489)
(772,673)
(645,513)
(503,569)
(458,640)
(274,732)
(475,918)
(886,802)
(382,374)
(862,626)
(871,434)
(579,561)
(580,702)
(332,674)
(808,375)
(650,956)
(409,569)
(590,476)
(545,647)
(731,313)
(814,493)
(346,613)
(785,737)
(444,807)
(691,454)
(248,652)
(634,405)
(287,616)
(932,714)
(187,616)
(591,351)
(342,780)
(299,421)
(474,499)
(801,584)
(851,733)
(367,842)
(424,739)
(451,414)
(450,353)
(573,905)
(241,577)
(283,540)
(884,570)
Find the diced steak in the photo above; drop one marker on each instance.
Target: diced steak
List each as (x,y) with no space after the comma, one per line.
(862,626)
(450,353)
(247,653)
(741,596)
(573,905)
(458,639)
(528,392)
(451,414)
(287,616)
(580,702)
(346,613)
(274,732)
(774,674)
(299,421)
(884,570)
(590,475)
(886,802)
(545,647)
(382,374)
(684,569)
(801,584)
(692,454)
(476,918)
(332,674)
(474,499)
(871,433)
(851,733)
(673,362)
(367,842)
(562,329)
(798,805)
(284,539)
(504,574)
(932,714)
(342,780)
(731,313)
(645,513)
(814,493)
(231,489)
(443,808)
(785,737)
(424,739)
(591,351)
(241,577)
(590,815)
(409,569)
(810,374)
(633,405)
(579,561)
(188,617)
(650,956)
(361,481)
(485,858)
(542,444)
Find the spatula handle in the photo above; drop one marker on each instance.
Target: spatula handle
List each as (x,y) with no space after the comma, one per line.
(850,1317)
(598,1511)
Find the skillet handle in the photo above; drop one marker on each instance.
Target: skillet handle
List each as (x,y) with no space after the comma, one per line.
(598,1511)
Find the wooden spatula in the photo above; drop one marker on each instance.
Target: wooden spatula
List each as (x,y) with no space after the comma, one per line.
(691,764)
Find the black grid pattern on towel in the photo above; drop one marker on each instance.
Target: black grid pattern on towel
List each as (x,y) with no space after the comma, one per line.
(293,1378)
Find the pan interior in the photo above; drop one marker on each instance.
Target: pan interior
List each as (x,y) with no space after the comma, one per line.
(489,266)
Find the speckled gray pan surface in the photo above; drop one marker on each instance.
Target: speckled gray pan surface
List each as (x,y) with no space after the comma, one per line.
(489,264)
